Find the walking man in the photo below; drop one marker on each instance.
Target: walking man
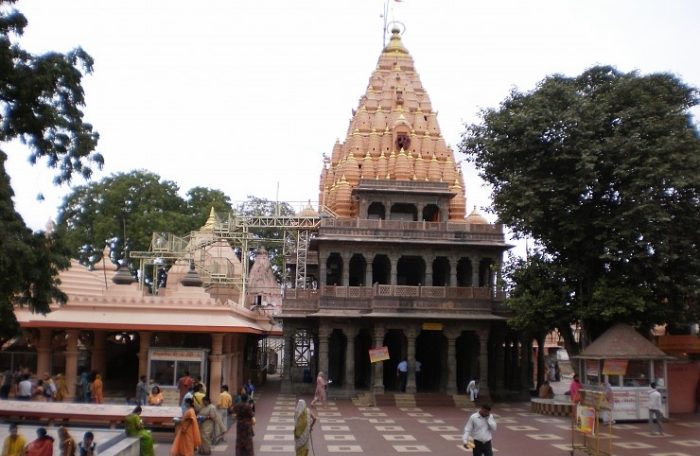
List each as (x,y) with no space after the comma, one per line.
(480,427)
(402,372)
(655,413)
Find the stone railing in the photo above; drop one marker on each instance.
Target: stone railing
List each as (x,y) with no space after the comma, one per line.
(388,297)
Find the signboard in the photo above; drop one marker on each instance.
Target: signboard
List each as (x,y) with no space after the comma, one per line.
(432,326)
(626,405)
(615,367)
(378,354)
(592,367)
(680,344)
(179,355)
(585,419)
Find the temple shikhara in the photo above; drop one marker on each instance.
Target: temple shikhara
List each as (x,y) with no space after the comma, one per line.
(386,259)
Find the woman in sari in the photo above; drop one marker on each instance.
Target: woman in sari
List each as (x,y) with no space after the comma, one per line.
(97,390)
(198,397)
(211,427)
(61,388)
(245,420)
(321,386)
(66,442)
(188,436)
(134,428)
(156,396)
(304,419)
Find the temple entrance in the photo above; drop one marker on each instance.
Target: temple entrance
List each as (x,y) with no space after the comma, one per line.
(395,340)
(336,358)
(431,351)
(122,364)
(363,368)
(467,348)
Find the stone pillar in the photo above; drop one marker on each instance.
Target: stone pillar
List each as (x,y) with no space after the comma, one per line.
(368,271)
(378,371)
(483,362)
(394,262)
(349,380)
(234,375)
(475,271)
(410,333)
(71,363)
(43,352)
(453,271)
(324,334)
(429,271)
(500,361)
(97,358)
(451,361)
(345,278)
(288,362)
(217,342)
(144,346)
(322,263)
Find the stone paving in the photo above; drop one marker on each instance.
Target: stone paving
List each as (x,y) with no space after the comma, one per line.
(346,428)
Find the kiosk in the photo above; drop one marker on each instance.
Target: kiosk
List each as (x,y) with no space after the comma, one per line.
(630,363)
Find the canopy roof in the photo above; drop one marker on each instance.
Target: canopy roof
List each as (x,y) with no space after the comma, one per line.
(622,342)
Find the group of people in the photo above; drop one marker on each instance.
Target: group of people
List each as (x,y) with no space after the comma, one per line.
(15,444)
(402,373)
(24,386)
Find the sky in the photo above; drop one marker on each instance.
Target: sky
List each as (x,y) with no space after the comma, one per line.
(246,96)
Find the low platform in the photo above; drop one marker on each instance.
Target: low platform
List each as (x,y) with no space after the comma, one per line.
(558,406)
(110,442)
(77,413)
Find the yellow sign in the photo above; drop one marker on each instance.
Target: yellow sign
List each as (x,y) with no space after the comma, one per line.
(615,367)
(585,419)
(432,326)
(378,354)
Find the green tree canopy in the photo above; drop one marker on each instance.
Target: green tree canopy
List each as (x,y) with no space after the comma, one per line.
(41,97)
(128,208)
(603,170)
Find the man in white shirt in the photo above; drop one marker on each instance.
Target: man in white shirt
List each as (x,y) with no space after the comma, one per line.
(402,372)
(480,427)
(655,407)
(24,388)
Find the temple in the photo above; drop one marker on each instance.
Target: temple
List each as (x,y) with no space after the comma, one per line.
(388,258)
(395,263)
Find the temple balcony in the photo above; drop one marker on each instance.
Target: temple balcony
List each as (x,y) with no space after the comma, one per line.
(393,298)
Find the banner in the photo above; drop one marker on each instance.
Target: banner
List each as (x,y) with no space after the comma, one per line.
(615,367)
(378,354)
(585,419)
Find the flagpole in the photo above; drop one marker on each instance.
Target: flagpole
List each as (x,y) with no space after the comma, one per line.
(384,16)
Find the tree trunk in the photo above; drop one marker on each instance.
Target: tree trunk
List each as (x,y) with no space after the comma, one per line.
(540,361)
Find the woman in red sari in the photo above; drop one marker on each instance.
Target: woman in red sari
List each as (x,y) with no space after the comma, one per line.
(42,446)
(98,390)
(188,437)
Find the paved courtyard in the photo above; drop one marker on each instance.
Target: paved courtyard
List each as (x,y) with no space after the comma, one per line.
(346,428)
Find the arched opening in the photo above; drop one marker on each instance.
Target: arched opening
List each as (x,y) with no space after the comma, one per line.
(376,211)
(485,273)
(464,272)
(441,272)
(410,271)
(381,270)
(431,351)
(336,358)
(334,269)
(363,367)
(467,350)
(396,342)
(431,213)
(358,266)
(121,361)
(404,211)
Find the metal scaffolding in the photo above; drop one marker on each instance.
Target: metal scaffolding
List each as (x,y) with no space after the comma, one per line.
(238,231)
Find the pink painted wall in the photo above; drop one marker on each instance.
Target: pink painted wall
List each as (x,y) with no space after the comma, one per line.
(683,378)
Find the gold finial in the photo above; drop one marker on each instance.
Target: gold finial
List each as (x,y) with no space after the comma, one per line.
(211,221)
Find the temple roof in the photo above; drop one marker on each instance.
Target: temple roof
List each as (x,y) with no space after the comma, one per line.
(393,135)
(622,342)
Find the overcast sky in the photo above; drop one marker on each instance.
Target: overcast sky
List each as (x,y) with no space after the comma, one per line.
(243,95)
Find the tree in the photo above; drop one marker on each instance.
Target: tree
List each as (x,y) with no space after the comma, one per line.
(125,209)
(269,238)
(200,200)
(41,97)
(603,170)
